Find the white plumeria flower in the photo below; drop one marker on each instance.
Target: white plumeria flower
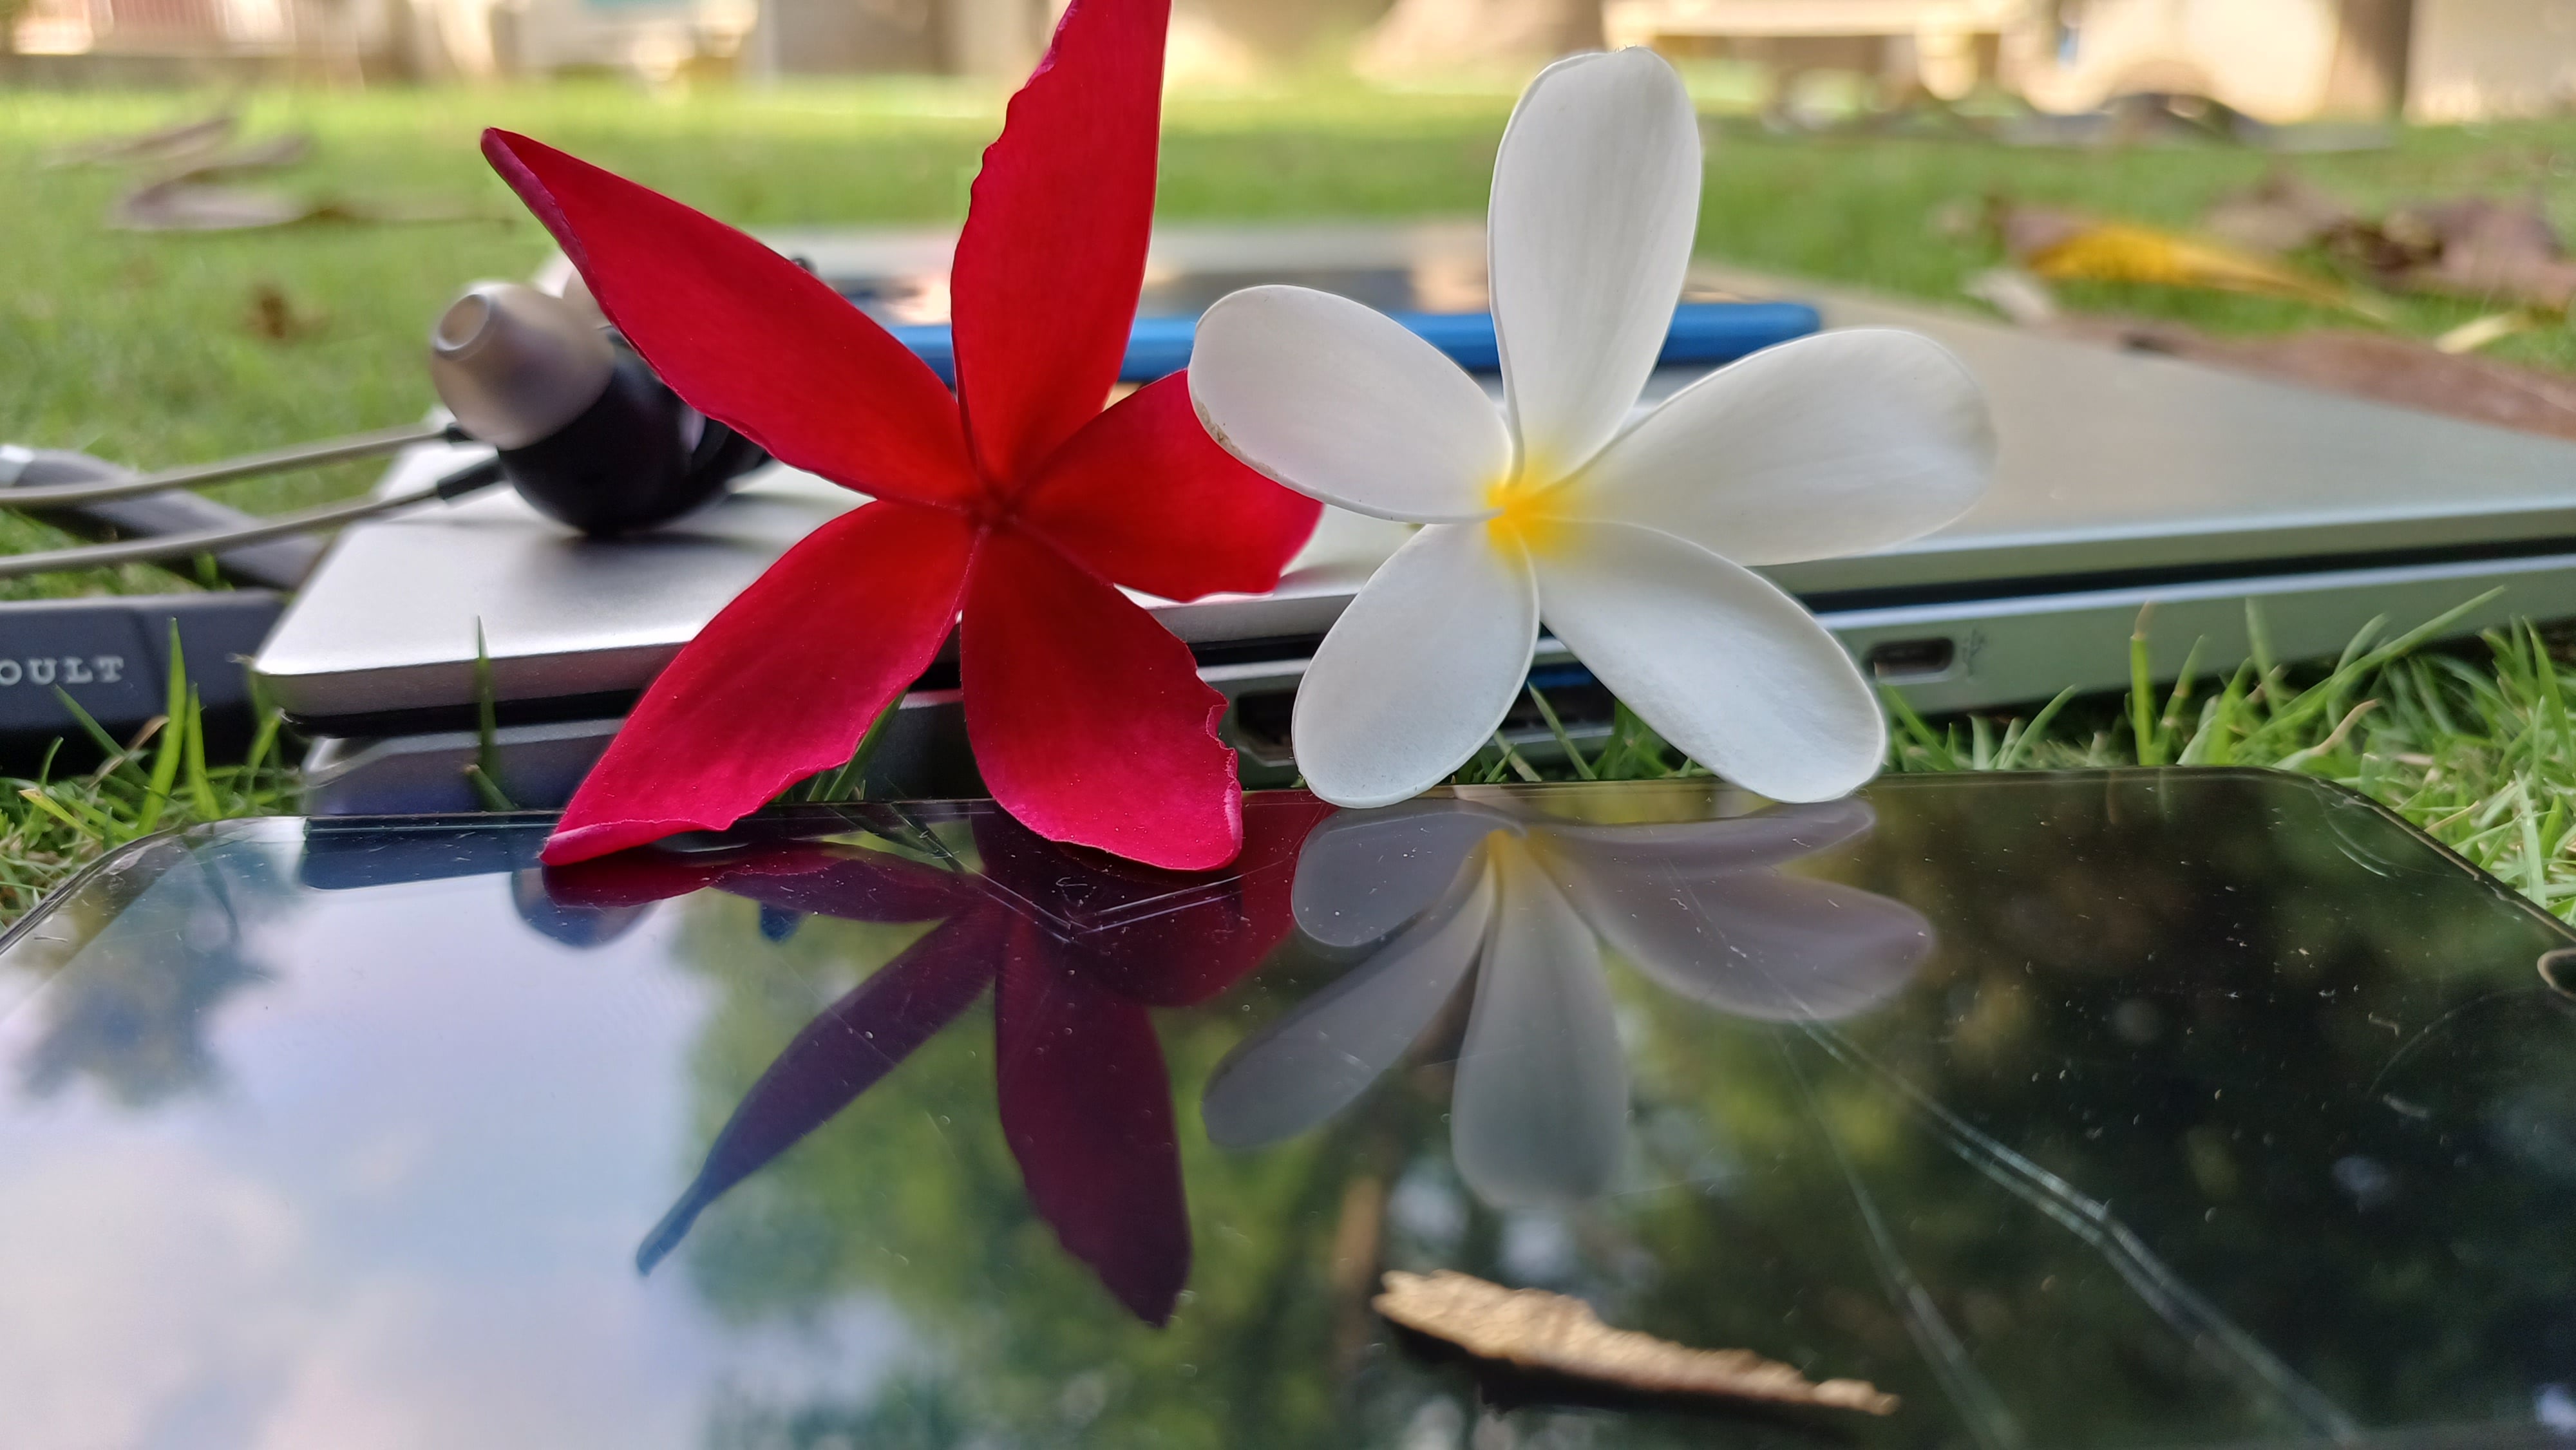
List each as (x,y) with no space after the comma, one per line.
(1630,545)
(1439,889)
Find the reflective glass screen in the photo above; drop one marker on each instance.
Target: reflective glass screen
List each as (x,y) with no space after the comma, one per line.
(2122,1109)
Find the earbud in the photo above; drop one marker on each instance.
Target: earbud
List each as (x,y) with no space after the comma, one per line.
(586,433)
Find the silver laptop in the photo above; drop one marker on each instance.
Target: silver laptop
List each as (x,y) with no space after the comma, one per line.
(2124,479)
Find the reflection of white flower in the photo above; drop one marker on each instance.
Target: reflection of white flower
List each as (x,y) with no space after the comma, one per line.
(1630,545)
(1541,1096)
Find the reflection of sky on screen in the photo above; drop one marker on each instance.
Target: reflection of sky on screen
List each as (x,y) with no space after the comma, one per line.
(401,1216)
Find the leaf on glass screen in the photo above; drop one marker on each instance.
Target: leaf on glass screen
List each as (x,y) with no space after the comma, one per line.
(2065,247)
(1555,1334)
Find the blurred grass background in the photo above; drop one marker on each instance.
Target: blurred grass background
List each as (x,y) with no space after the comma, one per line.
(157,349)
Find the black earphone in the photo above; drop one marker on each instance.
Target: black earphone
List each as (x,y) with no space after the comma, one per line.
(580,427)
(585,432)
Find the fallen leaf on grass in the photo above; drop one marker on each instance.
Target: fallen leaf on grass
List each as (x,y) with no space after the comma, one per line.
(2281,213)
(154,145)
(2063,246)
(195,206)
(2477,332)
(266,155)
(187,206)
(1538,1330)
(2019,296)
(2476,247)
(274,316)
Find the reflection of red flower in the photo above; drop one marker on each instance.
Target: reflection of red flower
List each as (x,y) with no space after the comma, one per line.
(1077,949)
(1017,502)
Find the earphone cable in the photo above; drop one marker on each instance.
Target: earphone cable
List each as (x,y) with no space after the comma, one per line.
(281,460)
(177,546)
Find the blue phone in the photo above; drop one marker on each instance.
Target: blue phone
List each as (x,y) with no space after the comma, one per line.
(1703,333)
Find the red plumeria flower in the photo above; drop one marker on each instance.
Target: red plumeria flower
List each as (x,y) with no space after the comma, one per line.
(1077,950)
(1011,509)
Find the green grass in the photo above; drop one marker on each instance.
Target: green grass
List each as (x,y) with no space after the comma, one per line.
(52,826)
(2473,745)
(141,348)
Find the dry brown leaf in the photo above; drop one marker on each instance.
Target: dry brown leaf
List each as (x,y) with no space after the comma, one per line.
(275,152)
(274,316)
(198,206)
(189,206)
(2280,213)
(1542,1331)
(155,145)
(2480,248)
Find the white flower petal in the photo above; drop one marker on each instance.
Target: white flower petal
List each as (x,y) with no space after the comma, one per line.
(1757,943)
(1596,197)
(1834,444)
(1339,402)
(1539,1112)
(1310,1064)
(1363,874)
(1419,671)
(1717,659)
(1698,848)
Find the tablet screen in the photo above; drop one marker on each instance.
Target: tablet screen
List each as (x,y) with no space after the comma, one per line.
(2202,1108)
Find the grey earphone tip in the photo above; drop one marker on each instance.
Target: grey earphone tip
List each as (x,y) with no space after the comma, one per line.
(514,364)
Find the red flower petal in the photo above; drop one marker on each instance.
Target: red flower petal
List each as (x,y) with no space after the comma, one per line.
(851,884)
(636,878)
(1088,719)
(781,684)
(747,336)
(839,1055)
(1144,497)
(1181,957)
(1053,255)
(842,881)
(1086,1106)
(1164,938)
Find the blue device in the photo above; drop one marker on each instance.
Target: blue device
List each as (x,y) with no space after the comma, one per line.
(1703,333)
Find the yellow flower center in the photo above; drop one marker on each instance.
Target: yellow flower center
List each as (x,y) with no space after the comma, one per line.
(1525,515)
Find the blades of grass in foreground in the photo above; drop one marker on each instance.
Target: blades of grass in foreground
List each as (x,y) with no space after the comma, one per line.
(2142,730)
(850,781)
(201,788)
(165,763)
(1573,754)
(2481,754)
(2018,743)
(50,828)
